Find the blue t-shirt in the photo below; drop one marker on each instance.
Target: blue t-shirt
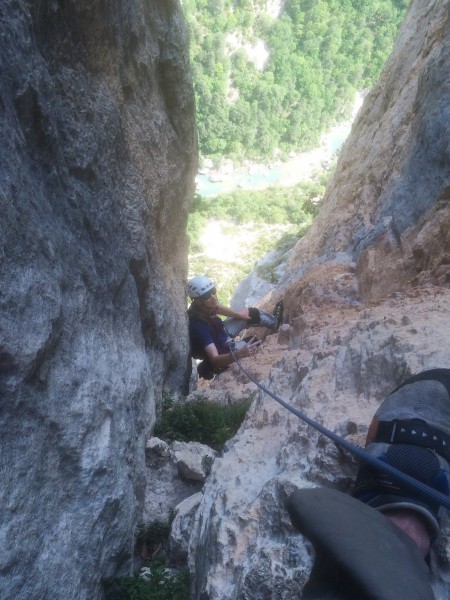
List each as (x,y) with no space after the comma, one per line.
(202,333)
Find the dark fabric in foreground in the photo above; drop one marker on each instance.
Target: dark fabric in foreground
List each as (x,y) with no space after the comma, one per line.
(360,554)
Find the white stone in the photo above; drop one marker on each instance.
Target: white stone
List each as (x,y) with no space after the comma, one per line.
(159,447)
(193,460)
(182,524)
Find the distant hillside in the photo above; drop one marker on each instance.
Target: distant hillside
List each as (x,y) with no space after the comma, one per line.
(228,236)
(275,75)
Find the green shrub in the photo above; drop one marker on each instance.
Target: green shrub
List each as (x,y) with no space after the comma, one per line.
(160,584)
(320,53)
(156,532)
(296,205)
(155,581)
(152,539)
(201,421)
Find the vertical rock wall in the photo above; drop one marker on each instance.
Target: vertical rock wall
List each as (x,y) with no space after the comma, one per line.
(386,212)
(97,164)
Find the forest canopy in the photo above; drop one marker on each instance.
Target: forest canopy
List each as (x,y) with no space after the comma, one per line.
(265,82)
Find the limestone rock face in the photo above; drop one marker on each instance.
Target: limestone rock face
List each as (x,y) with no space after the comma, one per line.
(367,300)
(242,544)
(175,472)
(180,533)
(97,164)
(385,217)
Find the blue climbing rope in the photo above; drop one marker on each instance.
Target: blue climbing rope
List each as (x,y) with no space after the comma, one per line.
(357,451)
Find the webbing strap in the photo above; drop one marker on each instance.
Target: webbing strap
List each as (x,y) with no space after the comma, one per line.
(413,431)
(360,453)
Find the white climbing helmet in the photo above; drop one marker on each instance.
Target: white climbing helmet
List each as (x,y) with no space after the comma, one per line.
(199,285)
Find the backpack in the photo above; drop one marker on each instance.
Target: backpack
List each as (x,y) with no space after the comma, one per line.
(410,431)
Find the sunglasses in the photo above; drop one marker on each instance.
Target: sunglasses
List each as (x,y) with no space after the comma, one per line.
(208,295)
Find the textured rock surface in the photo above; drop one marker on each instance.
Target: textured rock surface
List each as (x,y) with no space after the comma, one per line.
(97,164)
(175,472)
(367,300)
(193,460)
(243,545)
(180,533)
(386,214)
(253,288)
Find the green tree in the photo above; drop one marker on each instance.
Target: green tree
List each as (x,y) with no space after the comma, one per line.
(320,53)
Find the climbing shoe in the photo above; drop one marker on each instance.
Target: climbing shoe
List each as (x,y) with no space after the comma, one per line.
(205,370)
(278,313)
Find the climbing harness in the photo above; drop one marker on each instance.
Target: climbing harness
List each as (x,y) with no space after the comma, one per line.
(357,451)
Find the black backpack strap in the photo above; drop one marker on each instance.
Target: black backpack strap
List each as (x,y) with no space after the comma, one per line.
(412,431)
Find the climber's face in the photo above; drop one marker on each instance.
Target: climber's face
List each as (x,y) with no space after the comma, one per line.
(209,301)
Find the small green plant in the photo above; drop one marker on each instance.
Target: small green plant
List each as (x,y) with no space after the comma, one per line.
(152,539)
(155,582)
(268,272)
(201,421)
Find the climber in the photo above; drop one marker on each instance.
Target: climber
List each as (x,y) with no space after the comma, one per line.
(211,337)
(411,432)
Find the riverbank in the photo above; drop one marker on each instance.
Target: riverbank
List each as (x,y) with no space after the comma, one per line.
(301,166)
